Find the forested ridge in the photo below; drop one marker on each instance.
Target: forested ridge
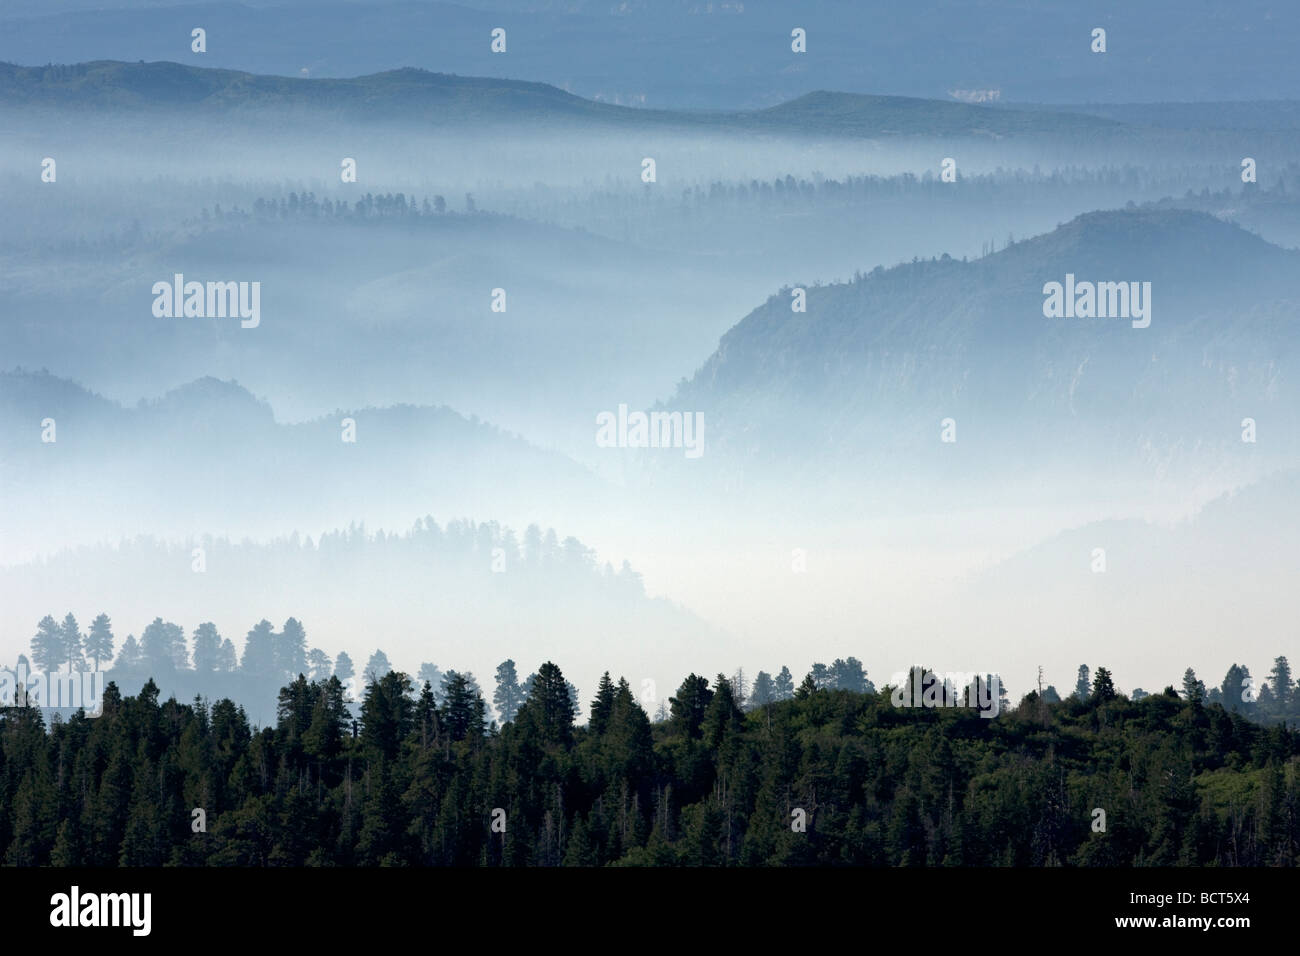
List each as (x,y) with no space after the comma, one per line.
(414,779)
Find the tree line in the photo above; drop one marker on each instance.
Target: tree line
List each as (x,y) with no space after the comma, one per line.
(371,206)
(278,655)
(825,777)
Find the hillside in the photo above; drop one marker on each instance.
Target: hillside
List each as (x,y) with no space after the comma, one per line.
(208,457)
(1185,784)
(866,374)
(406,93)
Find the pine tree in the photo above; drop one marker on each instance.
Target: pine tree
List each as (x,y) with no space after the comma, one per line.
(632,740)
(1081,685)
(740,687)
(1283,685)
(259,650)
(547,714)
(1193,689)
(73,647)
(377,667)
(291,650)
(163,647)
(130,658)
(426,716)
(849,674)
(1103,688)
(470,683)
(387,712)
(343,668)
(432,675)
(318,662)
(207,647)
(1004,701)
(180,650)
(602,706)
(1238,690)
(689,705)
(581,851)
(47,645)
(764,691)
(509,695)
(323,739)
(783,684)
(723,715)
(99,642)
(293,713)
(807,688)
(227,660)
(463,708)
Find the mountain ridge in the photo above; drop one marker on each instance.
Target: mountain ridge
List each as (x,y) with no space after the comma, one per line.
(874,365)
(426,95)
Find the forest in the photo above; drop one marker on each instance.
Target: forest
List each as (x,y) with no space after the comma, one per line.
(811,776)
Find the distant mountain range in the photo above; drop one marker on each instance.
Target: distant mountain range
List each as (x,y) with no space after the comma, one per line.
(208,457)
(857,387)
(414,95)
(709,53)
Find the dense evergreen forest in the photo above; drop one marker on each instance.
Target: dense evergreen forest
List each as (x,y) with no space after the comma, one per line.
(824,777)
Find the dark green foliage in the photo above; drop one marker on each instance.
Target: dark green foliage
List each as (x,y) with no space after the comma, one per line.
(387,713)
(548,712)
(602,706)
(1281,685)
(689,706)
(1193,689)
(1103,688)
(463,712)
(1183,783)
